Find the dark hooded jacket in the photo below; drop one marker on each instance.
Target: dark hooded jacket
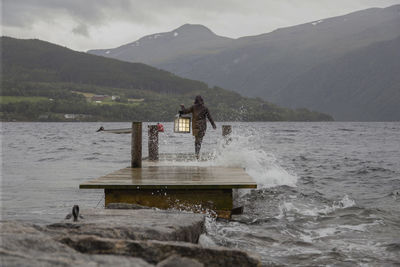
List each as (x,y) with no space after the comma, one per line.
(200,115)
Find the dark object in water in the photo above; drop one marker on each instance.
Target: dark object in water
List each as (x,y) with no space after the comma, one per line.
(116,131)
(237,211)
(75,214)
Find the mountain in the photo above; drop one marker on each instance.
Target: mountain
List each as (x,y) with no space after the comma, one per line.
(41,80)
(289,65)
(188,40)
(361,85)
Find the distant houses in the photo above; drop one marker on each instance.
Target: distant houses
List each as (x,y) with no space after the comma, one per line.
(70,116)
(63,117)
(99,97)
(76,116)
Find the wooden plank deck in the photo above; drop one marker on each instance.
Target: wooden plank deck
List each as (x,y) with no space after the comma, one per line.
(173,177)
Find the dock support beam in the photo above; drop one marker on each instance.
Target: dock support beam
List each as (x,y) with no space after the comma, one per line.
(136,150)
(226,133)
(153,142)
(217,200)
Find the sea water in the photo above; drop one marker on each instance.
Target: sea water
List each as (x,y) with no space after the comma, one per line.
(328,192)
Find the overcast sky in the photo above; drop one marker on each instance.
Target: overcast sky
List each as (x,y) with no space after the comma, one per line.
(89,24)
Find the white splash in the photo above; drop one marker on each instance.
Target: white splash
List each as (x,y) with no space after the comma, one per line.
(317,22)
(175,34)
(206,242)
(245,152)
(108,52)
(263,167)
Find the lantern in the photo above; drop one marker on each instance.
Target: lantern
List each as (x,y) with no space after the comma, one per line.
(182,123)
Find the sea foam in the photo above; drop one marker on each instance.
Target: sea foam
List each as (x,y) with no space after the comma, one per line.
(263,167)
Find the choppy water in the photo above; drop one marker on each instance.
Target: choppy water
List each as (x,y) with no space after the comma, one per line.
(329,193)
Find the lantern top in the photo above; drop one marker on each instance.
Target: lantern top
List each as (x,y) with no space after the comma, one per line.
(183,115)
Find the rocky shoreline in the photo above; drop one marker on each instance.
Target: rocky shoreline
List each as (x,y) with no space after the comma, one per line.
(120,236)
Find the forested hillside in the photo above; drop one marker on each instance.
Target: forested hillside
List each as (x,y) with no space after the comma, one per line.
(43,81)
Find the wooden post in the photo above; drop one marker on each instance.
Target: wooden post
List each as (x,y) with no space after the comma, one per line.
(226,133)
(136,150)
(153,142)
(226,130)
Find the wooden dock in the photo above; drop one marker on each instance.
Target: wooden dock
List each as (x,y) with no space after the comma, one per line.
(167,183)
(182,187)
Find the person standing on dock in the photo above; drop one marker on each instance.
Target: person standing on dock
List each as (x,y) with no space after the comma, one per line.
(199,121)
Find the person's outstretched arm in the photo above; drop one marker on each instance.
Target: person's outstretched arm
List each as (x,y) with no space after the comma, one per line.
(211,119)
(185,110)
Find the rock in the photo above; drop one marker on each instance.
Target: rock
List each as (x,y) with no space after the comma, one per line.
(128,237)
(176,261)
(141,224)
(26,245)
(126,206)
(157,251)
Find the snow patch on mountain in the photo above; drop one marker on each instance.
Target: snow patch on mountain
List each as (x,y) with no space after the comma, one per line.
(317,22)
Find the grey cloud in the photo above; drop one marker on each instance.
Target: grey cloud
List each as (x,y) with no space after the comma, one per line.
(24,12)
(81,29)
(103,20)
(19,13)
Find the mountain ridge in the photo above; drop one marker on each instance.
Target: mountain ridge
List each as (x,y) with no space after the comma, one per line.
(267,65)
(198,36)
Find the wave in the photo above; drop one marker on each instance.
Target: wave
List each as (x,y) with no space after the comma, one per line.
(346,130)
(305,210)
(289,131)
(393,247)
(369,169)
(65,148)
(244,152)
(263,167)
(395,194)
(90,158)
(47,159)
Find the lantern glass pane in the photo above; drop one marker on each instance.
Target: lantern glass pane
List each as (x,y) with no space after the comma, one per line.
(176,125)
(182,125)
